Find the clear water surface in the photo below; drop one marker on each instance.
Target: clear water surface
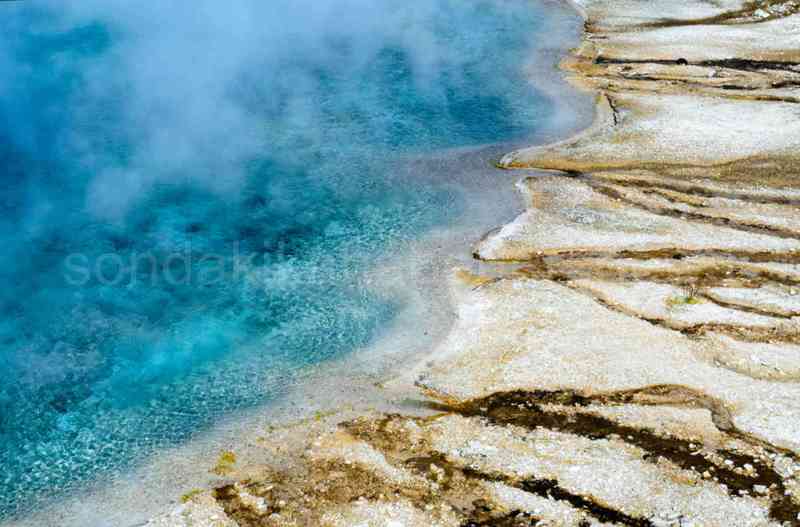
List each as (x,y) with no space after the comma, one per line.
(191,193)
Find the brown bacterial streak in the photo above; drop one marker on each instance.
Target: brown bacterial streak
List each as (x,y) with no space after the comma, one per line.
(523,409)
(696,216)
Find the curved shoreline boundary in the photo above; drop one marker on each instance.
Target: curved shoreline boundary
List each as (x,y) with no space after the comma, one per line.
(636,358)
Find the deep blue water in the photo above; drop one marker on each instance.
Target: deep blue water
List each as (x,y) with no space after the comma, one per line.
(190,195)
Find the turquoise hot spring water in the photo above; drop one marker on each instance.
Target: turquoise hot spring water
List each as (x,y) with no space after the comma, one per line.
(191,193)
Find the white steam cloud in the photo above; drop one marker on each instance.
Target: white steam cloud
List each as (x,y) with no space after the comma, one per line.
(180,71)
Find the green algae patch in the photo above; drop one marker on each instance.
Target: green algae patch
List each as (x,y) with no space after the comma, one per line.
(225,463)
(189,496)
(679,301)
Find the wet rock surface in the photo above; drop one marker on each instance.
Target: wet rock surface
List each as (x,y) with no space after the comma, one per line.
(637,360)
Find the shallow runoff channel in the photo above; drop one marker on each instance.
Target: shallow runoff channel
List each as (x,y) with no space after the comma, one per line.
(221,218)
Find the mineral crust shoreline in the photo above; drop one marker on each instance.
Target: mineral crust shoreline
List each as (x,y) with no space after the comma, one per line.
(636,360)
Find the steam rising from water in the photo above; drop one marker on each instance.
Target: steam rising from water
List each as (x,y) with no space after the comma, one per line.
(266,128)
(175,93)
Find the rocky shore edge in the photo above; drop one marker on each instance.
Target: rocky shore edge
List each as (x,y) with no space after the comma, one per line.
(636,358)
